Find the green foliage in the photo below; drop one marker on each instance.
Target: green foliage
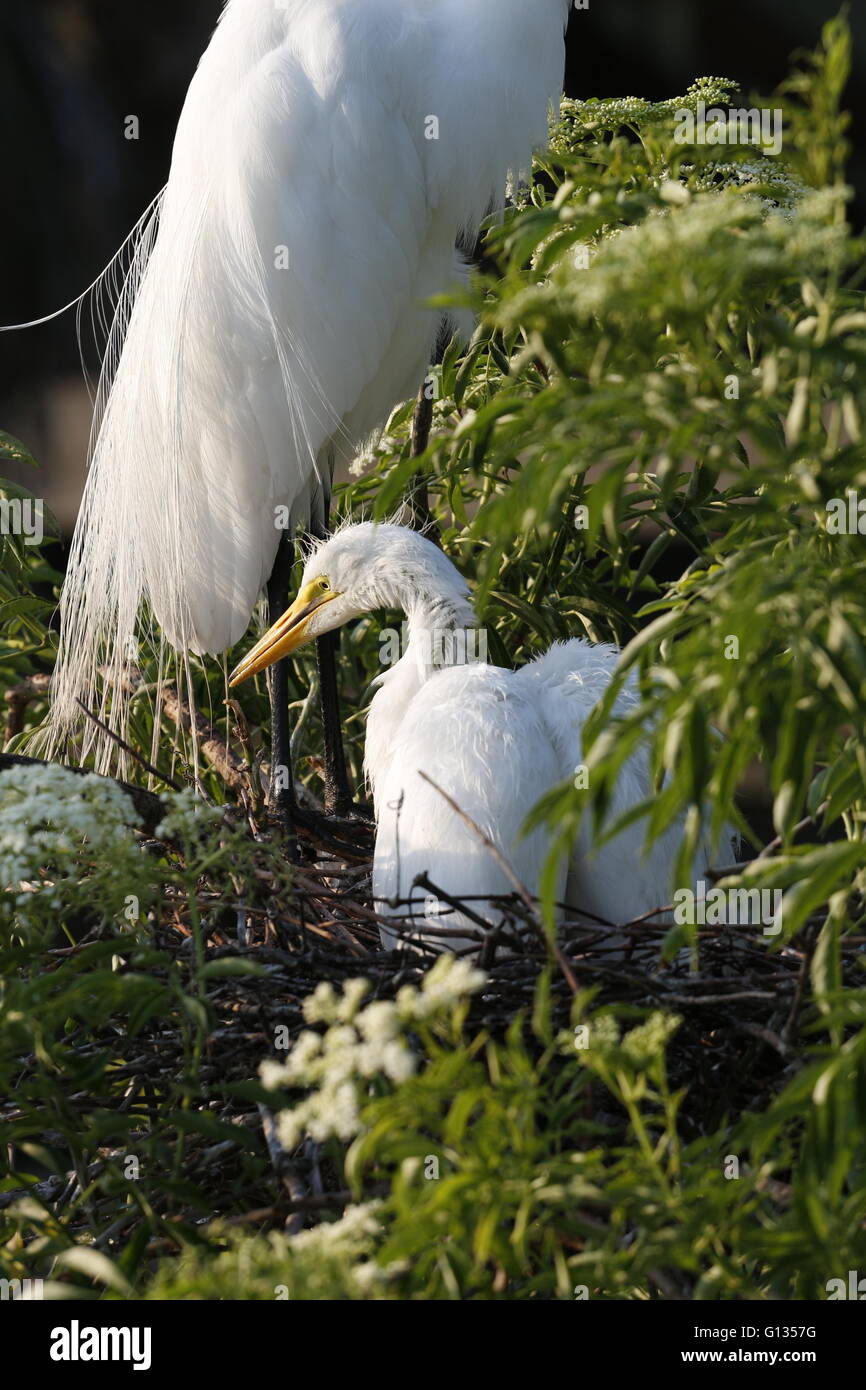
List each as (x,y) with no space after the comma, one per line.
(25,576)
(86,986)
(645,442)
(65,846)
(499,1184)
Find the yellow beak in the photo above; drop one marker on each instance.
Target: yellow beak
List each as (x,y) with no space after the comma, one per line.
(286,635)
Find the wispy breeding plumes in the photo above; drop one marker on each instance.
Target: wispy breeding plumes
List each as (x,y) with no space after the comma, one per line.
(328,160)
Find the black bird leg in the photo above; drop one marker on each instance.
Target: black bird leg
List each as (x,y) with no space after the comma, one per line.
(417,497)
(338,793)
(282,798)
(282,793)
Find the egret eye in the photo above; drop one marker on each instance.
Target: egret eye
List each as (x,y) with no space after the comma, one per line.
(324,584)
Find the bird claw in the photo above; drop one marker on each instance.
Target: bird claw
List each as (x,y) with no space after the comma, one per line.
(348,812)
(329,833)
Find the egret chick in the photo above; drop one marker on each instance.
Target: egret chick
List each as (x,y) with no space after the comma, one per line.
(494,740)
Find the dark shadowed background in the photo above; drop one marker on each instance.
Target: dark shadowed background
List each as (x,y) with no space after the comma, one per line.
(72,71)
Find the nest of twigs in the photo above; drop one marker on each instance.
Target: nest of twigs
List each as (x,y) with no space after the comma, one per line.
(742,1005)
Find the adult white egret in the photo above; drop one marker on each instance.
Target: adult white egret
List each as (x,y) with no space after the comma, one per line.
(494,740)
(331,158)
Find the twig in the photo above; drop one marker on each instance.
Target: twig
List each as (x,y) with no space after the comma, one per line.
(127,748)
(215,751)
(515,882)
(755,1030)
(802,978)
(418,496)
(285,1171)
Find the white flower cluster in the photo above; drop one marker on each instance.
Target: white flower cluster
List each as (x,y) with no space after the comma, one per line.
(727,228)
(379,448)
(448,983)
(576,118)
(49,818)
(785,188)
(642,1045)
(349,1238)
(188,817)
(389,444)
(646,1043)
(360,1043)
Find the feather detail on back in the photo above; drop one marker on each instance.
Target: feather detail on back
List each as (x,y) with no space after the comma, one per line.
(496,741)
(484,741)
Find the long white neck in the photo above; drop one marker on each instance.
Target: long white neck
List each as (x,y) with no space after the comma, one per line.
(440,631)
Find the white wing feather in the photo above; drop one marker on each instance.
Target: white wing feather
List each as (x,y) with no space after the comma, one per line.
(618,881)
(497,741)
(480,738)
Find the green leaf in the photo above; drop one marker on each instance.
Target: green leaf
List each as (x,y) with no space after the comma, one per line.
(13,450)
(83,1259)
(229,966)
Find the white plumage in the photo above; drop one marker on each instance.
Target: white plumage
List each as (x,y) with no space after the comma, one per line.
(330,156)
(494,740)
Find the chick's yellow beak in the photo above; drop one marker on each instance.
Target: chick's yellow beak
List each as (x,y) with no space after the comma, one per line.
(287,634)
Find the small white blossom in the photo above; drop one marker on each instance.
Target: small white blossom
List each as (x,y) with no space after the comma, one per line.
(321,1006)
(359,1045)
(353,993)
(188,816)
(60,831)
(379,1022)
(350,1235)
